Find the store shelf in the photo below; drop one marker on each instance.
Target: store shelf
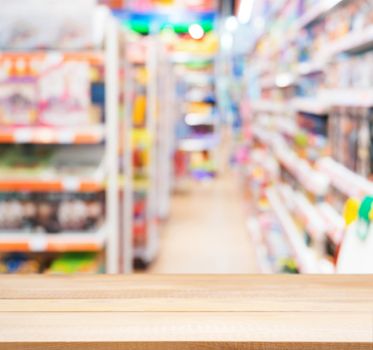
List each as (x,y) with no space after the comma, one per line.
(261,251)
(197,78)
(305,257)
(333,91)
(334,221)
(320,9)
(59,242)
(346,181)
(149,252)
(46,71)
(355,41)
(310,67)
(311,180)
(53,135)
(184,57)
(281,81)
(313,221)
(54,57)
(274,9)
(264,105)
(81,169)
(288,128)
(194,119)
(141,185)
(310,105)
(348,97)
(70,184)
(197,144)
(268,83)
(137,185)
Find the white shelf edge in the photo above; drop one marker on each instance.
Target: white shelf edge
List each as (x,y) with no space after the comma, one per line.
(253,228)
(310,105)
(352,41)
(344,180)
(307,262)
(38,241)
(348,97)
(310,67)
(334,221)
(317,11)
(268,106)
(55,134)
(314,221)
(196,145)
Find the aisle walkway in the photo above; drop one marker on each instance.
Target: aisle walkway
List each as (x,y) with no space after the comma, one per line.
(206,232)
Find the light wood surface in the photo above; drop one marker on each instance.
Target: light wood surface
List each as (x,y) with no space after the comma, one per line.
(186,312)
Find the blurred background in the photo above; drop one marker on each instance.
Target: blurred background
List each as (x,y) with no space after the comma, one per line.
(186,136)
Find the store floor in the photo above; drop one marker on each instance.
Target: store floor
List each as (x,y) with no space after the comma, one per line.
(206,231)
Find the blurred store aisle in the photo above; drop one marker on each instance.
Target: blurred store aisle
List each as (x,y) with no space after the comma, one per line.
(206,231)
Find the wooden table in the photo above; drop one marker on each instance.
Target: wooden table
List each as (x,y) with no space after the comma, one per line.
(186,312)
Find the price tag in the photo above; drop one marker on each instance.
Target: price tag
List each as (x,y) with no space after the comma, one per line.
(38,243)
(66,137)
(23,136)
(54,58)
(45,135)
(71,184)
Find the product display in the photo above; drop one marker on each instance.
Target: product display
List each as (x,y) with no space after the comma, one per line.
(312,101)
(121,122)
(56,185)
(51,212)
(27,98)
(196,129)
(144,148)
(71,263)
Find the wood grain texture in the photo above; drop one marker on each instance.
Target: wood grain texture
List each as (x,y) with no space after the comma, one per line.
(186,312)
(186,346)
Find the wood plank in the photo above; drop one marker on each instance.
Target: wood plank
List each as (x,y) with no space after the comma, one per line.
(36,286)
(225,293)
(210,304)
(219,326)
(186,312)
(186,346)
